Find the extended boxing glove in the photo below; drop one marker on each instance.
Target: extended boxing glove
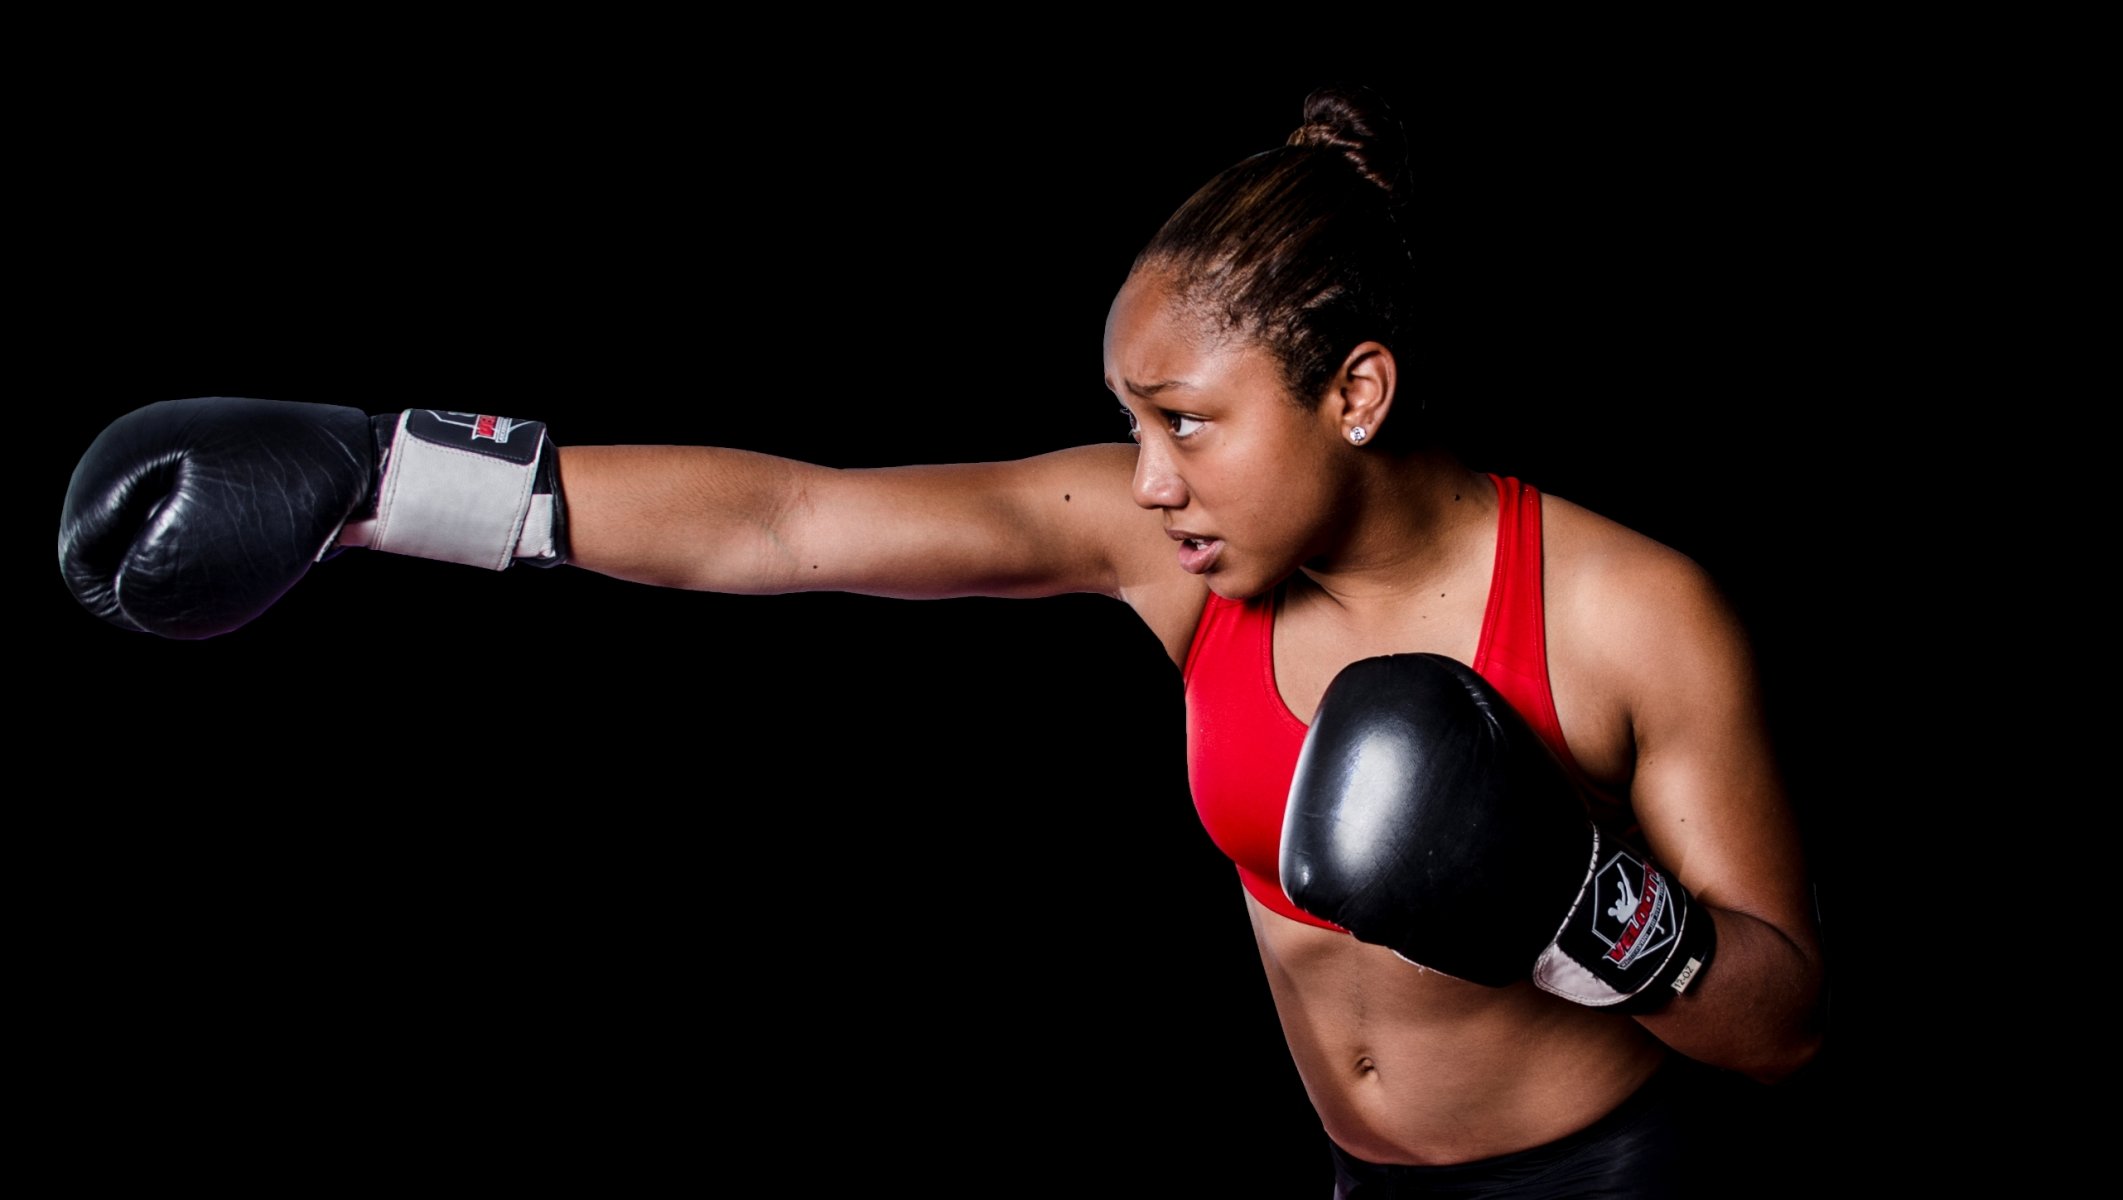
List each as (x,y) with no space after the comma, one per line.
(1426,816)
(190,517)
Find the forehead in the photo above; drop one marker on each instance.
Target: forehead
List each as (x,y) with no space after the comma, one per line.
(1151,338)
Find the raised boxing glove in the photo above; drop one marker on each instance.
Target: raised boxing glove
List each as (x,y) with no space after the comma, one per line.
(1425,815)
(190,517)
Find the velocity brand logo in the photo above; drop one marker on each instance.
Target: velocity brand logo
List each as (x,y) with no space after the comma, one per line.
(493,429)
(1633,898)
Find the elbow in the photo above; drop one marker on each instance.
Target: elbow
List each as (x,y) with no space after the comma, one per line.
(1775,1006)
(1766,1033)
(1783,1057)
(1792,1041)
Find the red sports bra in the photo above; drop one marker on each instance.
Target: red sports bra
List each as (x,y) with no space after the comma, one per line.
(1243,741)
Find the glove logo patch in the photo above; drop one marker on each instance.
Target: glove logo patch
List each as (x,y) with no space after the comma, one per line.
(1634,913)
(479,425)
(493,437)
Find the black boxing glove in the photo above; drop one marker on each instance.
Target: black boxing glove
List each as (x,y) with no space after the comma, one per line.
(190,517)
(1427,817)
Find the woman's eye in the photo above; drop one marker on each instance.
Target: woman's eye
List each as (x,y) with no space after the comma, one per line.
(1182,426)
(1135,432)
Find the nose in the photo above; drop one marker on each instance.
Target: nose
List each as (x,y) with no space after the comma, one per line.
(1157,484)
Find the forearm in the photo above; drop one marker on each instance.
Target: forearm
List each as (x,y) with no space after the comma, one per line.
(1756,1008)
(682,516)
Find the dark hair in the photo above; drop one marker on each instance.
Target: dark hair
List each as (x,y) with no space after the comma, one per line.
(1300,248)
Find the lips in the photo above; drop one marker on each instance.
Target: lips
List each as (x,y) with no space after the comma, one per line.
(1197,552)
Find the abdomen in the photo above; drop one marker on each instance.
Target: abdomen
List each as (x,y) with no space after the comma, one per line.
(1409,1066)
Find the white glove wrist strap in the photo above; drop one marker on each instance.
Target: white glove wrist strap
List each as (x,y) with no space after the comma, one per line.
(458,487)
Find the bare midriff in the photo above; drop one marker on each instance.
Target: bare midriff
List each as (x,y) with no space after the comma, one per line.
(1409,1066)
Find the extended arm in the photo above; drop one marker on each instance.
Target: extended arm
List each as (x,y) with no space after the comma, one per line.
(734,521)
(189,518)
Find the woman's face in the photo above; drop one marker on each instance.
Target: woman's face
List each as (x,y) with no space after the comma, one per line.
(1247,481)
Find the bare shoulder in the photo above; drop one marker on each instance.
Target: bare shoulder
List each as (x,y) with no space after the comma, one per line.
(1643,651)
(1639,614)
(1144,561)
(1084,498)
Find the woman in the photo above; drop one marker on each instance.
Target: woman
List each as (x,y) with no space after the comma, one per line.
(1257,349)
(1285,478)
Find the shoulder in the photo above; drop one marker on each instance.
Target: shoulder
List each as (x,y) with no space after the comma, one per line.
(1646,659)
(1641,617)
(1097,512)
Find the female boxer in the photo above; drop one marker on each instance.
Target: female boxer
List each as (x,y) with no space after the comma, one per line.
(1282,515)
(1285,512)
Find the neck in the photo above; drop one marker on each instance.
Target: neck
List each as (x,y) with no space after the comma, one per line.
(1414,519)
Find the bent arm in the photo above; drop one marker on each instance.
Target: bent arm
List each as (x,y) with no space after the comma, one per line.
(735,521)
(1713,811)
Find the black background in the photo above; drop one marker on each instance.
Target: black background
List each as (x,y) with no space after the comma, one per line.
(537,872)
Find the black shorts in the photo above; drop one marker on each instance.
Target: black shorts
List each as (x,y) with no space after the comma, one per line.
(1641,1149)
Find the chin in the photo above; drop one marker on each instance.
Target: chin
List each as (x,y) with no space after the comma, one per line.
(1241,588)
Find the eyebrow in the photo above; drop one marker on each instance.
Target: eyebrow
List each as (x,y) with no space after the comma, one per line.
(1150,391)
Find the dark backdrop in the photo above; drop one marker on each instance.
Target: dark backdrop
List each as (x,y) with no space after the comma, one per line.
(538,871)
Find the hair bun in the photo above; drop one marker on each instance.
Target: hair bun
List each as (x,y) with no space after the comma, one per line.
(1356,121)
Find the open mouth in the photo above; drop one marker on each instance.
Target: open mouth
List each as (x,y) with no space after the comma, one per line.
(1198,554)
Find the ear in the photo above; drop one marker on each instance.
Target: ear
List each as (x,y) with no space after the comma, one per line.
(1361,394)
